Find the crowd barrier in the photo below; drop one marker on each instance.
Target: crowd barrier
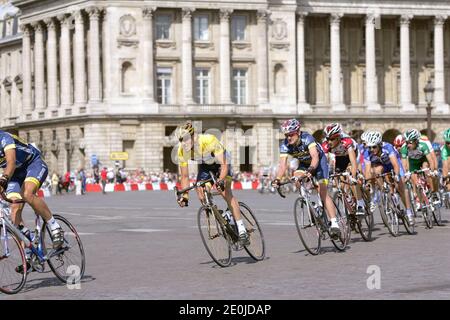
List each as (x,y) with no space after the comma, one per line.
(124,187)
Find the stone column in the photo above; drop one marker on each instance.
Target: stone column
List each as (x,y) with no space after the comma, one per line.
(302,105)
(94,55)
(106,56)
(79,60)
(187,55)
(39,63)
(405,73)
(439,75)
(65,72)
(52,69)
(371,77)
(225,70)
(262,58)
(26,70)
(336,94)
(147,44)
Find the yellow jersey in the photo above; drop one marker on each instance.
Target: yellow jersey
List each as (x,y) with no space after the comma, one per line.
(205,150)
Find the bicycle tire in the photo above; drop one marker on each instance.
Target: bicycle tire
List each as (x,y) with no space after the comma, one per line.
(365,226)
(305,223)
(437,215)
(215,231)
(57,261)
(426,209)
(391,216)
(410,229)
(6,262)
(412,199)
(343,221)
(254,232)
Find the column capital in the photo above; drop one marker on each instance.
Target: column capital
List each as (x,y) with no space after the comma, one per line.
(78,16)
(301,16)
(147,12)
(405,19)
(335,18)
(93,12)
(50,23)
(225,14)
(187,13)
(25,29)
(439,20)
(37,26)
(262,15)
(370,18)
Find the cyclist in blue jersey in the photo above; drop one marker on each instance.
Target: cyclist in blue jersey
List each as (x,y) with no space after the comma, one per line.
(311,162)
(24,171)
(381,157)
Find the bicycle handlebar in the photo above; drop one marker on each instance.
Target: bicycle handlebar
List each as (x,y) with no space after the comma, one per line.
(4,198)
(292,180)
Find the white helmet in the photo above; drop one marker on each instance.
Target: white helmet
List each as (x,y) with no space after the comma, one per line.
(373,138)
(364,135)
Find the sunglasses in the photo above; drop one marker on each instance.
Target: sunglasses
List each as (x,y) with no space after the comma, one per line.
(448,143)
(290,134)
(373,147)
(410,142)
(332,139)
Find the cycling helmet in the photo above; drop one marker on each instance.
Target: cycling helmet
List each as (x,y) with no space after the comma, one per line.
(436,146)
(291,125)
(373,138)
(184,130)
(364,135)
(399,140)
(412,135)
(333,129)
(447,135)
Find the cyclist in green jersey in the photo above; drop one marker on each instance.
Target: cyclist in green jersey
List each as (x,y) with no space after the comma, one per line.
(445,156)
(414,154)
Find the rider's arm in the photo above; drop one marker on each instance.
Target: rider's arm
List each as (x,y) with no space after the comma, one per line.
(282,166)
(352,156)
(395,164)
(445,168)
(368,171)
(10,155)
(223,165)
(314,156)
(431,161)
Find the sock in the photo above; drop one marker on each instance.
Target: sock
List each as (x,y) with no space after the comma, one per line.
(408,212)
(333,221)
(360,203)
(53,224)
(240,225)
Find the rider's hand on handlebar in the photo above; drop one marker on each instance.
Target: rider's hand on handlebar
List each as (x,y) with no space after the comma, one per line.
(183,200)
(275,183)
(4,179)
(220,184)
(353,180)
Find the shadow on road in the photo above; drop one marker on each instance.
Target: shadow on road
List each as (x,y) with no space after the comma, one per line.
(34,284)
(235,261)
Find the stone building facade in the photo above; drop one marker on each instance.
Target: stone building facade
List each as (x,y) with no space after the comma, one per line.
(83,78)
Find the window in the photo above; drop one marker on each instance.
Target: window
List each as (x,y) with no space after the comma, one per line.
(238,27)
(163,24)
(67,134)
(28,137)
(41,136)
(169,130)
(202,86)
(53,135)
(398,37)
(201,28)
(164,85)
(431,40)
(240,86)
(82,132)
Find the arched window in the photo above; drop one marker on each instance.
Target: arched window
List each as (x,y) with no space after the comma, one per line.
(280,79)
(128,75)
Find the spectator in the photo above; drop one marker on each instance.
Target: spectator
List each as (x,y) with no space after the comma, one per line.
(55,184)
(104,176)
(110,175)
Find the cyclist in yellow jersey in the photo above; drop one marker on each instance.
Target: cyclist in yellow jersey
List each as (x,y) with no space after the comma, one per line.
(211,156)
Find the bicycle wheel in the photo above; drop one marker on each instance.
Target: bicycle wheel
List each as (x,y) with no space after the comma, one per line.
(412,199)
(410,229)
(365,225)
(214,237)
(437,215)
(67,263)
(343,222)
(390,214)
(257,248)
(307,228)
(425,208)
(12,255)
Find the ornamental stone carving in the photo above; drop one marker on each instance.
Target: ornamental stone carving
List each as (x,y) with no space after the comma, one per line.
(147,12)
(127,26)
(279,29)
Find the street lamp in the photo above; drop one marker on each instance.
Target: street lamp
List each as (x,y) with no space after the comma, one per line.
(429,92)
